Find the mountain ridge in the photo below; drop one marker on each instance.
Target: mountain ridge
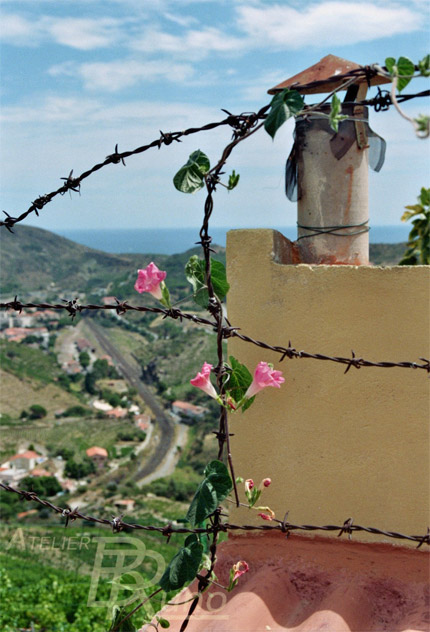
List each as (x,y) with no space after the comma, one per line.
(35,260)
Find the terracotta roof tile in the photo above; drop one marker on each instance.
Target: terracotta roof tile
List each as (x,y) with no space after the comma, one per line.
(96,451)
(29,454)
(304,584)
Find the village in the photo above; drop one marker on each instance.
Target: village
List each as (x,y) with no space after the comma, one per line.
(110,398)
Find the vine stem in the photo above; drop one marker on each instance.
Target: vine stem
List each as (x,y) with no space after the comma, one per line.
(418,132)
(139,605)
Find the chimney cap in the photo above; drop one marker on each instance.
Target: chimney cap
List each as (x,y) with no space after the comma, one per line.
(327,75)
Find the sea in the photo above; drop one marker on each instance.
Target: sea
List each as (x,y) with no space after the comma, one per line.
(171,241)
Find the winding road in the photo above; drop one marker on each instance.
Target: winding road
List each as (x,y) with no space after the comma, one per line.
(132,375)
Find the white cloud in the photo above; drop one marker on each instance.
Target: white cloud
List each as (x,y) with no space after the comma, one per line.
(182,20)
(193,42)
(77,33)
(116,75)
(50,110)
(17,30)
(83,33)
(84,112)
(326,24)
(255,91)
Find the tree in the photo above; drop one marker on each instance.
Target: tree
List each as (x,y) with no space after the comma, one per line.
(41,485)
(84,359)
(79,470)
(418,250)
(90,383)
(37,412)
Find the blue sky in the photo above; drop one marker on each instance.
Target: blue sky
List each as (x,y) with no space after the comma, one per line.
(78,77)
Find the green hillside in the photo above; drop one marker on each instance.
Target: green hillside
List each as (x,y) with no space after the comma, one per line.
(35,260)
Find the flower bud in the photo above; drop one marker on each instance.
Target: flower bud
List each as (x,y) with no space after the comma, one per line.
(249,484)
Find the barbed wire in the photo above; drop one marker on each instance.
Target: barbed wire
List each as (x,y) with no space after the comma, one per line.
(243,126)
(118,524)
(73,307)
(356,362)
(238,122)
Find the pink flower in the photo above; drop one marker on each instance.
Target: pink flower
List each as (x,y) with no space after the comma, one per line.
(149,280)
(203,381)
(265,482)
(264,375)
(265,516)
(238,572)
(249,484)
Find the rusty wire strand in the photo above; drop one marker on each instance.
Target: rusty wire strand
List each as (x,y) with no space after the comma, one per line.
(243,126)
(249,127)
(121,307)
(239,123)
(275,525)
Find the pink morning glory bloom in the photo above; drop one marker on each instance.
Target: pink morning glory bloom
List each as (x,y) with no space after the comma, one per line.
(149,280)
(238,571)
(203,381)
(264,375)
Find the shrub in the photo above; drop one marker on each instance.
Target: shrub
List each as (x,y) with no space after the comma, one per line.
(37,412)
(66,453)
(42,485)
(76,411)
(84,359)
(181,486)
(80,469)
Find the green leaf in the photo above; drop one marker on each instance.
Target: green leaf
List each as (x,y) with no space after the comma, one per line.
(212,490)
(118,615)
(163,622)
(425,196)
(408,214)
(423,125)
(390,62)
(336,106)
(248,403)
(424,66)
(239,381)
(283,106)
(218,474)
(184,566)
(190,177)
(417,208)
(336,116)
(409,260)
(403,69)
(414,209)
(233,180)
(165,295)
(418,250)
(204,503)
(195,271)
(406,69)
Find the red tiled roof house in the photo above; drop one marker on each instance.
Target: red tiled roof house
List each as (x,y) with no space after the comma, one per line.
(97,455)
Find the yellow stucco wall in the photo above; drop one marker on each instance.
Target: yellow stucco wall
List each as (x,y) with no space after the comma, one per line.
(336,446)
